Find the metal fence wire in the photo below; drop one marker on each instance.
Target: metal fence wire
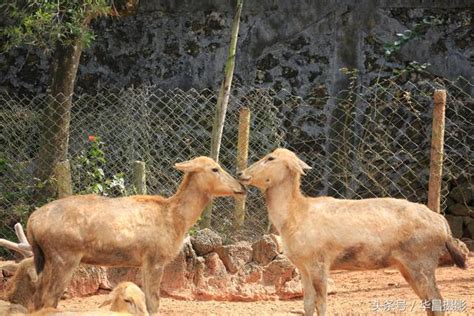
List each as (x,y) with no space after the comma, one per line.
(371,141)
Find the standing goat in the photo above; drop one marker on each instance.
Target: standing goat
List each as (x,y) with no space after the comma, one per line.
(324,233)
(134,231)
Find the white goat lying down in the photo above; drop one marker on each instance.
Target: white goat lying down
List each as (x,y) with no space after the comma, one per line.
(127,297)
(324,233)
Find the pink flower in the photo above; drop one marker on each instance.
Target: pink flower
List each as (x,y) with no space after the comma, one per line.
(91,138)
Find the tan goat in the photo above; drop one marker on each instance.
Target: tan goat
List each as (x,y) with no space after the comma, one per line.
(127,297)
(21,287)
(324,233)
(134,231)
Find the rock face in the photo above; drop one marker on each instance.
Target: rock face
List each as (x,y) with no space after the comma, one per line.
(463,194)
(460,209)
(456,225)
(183,44)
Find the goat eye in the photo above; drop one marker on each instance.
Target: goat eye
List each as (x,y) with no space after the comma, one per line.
(215,170)
(270,158)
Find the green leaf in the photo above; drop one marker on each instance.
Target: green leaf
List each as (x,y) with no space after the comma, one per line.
(45,23)
(97,188)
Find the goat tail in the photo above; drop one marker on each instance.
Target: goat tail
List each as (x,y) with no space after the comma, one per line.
(456,253)
(38,254)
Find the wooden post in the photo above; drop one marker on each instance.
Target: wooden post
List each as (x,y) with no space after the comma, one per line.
(242,157)
(139,177)
(62,176)
(437,141)
(222,101)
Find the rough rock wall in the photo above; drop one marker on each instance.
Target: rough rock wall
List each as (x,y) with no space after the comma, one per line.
(297,45)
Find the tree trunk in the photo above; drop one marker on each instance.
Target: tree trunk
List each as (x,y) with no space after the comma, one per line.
(348,38)
(56,117)
(222,100)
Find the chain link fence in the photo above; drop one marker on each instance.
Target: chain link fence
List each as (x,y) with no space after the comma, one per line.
(370,141)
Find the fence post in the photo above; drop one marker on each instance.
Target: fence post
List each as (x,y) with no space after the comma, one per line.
(437,141)
(242,157)
(62,175)
(139,177)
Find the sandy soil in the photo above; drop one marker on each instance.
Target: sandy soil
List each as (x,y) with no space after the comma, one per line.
(367,292)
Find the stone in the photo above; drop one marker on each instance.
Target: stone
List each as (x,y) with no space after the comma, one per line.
(278,272)
(290,290)
(299,43)
(467,220)
(115,275)
(214,264)
(189,254)
(174,273)
(455,223)
(87,280)
(470,229)
(278,242)
(235,256)
(264,250)
(463,193)
(198,271)
(461,210)
(215,21)
(267,62)
(205,241)
(252,272)
(289,72)
(469,243)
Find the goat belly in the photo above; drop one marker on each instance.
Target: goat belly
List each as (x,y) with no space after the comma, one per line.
(361,257)
(113,257)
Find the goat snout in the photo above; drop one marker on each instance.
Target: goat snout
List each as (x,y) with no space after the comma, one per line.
(242,190)
(243,178)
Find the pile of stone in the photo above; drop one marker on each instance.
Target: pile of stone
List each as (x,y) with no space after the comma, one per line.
(460,212)
(206,269)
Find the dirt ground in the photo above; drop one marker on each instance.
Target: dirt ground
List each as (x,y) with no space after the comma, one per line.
(367,292)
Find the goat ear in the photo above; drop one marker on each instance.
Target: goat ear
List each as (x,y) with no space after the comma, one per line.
(106,302)
(186,166)
(298,165)
(303,165)
(32,274)
(132,307)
